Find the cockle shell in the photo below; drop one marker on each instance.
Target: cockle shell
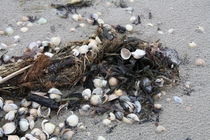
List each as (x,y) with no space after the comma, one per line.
(125,53)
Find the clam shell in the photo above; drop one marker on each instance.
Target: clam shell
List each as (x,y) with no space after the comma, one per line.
(33,112)
(22,111)
(125,53)
(25,103)
(55,41)
(111,116)
(48,127)
(10,115)
(133,117)
(10,107)
(83,49)
(95,100)
(9,128)
(23,124)
(138,53)
(55,91)
(86,93)
(160,129)
(72,120)
(13,137)
(43,113)
(67,134)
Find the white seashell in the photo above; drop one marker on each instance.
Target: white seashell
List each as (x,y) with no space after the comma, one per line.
(150,24)
(55,41)
(113,81)
(76,17)
(23,138)
(61,125)
(98,91)
(81,126)
(20,23)
(1,132)
(3,46)
(126,120)
(31,122)
(192,45)
(111,116)
(30,24)
(35,105)
(125,53)
(55,97)
(6,58)
(83,49)
(31,137)
(9,31)
(132,19)
(10,107)
(17,38)
(42,21)
(137,106)
(1,102)
(9,102)
(94,16)
(160,129)
(67,134)
(200,29)
(86,94)
(133,117)
(9,128)
(55,91)
(90,21)
(24,18)
(157,106)
(160,32)
(98,40)
(23,124)
(72,120)
(100,21)
(199,62)
(2,32)
(93,44)
(48,127)
(106,122)
(33,112)
(118,92)
(82,25)
(25,103)
(138,54)
(10,115)
(24,29)
(101,138)
(171,31)
(95,100)
(75,52)
(99,83)
(129,27)
(56,130)
(43,113)
(13,137)
(49,54)
(72,29)
(177,99)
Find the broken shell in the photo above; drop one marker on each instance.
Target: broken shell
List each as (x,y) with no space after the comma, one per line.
(138,54)
(24,29)
(101,138)
(125,53)
(57,130)
(82,25)
(55,41)
(83,49)
(113,81)
(23,124)
(133,117)
(100,21)
(72,120)
(159,82)
(95,100)
(42,21)
(118,92)
(126,120)
(48,127)
(72,29)
(9,128)
(9,102)
(160,129)
(199,62)
(10,107)
(129,27)
(157,96)
(43,112)
(192,45)
(13,137)
(76,17)
(157,106)
(33,112)
(86,94)
(92,44)
(99,83)
(85,110)
(81,126)
(61,125)
(17,38)
(6,58)
(31,122)
(75,52)
(132,19)
(98,91)
(106,122)
(67,134)
(25,103)
(97,39)
(111,116)
(10,115)
(35,105)
(39,134)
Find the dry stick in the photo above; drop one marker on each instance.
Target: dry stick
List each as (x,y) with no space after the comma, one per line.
(14,74)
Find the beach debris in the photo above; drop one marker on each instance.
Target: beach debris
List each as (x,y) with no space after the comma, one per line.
(42,21)
(129,27)
(9,31)
(160,129)
(24,19)
(200,62)
(200,29)
(150,24)
(192,45)
(171,31)
(55,41)
(177,99)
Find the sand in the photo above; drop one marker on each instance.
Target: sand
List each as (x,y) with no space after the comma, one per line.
(190,119)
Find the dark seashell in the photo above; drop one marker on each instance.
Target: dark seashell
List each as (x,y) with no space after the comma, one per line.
(120,29)
(171,55)
(119,115)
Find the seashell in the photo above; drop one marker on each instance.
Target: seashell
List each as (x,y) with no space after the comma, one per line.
(157,106)
(25,103)
(72,120)
(118,92)
(10,115)
(177,99)
(92,44)
(10,107)
(159,82)
(55,41)
(112,97)
(95,100)
(31,122)
(160,32)
(113,81)
(2,32)
(23,124)
(20,23)
(17,38)
(83,49)
(29,24)
(126,120)
(128,106)
(23,138)
(13,137)
(199,62)
(160,129)
(192,45)
(82,25)
(57,131)
(90,21)
(99,83)
(98,40)
(72,29)
(200,29)
(1,132)
(119,115)
(9,102)
(55,97)
(100,21)
(24,29)
(39,93)
(101,138)
(86,94)
(157,96)
(9,31)
(125,53)
(111,116)
(24,18)
(85,110)
(1,102)
(48,127)
(49,54)
(35,105)
(77,17)
(137,106)
(33,112)
(129,27)
(106,122)
(98,91)
(150,24)
(94,16)
(67,134)
(75,52)
(138,54)
(42,21)
(6,58)
(3,46)
(61,125)
(132,19)
(9,128)
(133,117)
(171,31)
(54,137)
(31,137)
(43,112)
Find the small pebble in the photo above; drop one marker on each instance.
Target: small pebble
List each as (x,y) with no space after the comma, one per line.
(157,106)
(76,17)
(55,41)
(129,27)
(192,45)
(199,62)
(171,31)
(9,31)
(2,32)
(42,20)
(82,25)
(101,138)
(24,29)
(132,19)
(160,129)
(177,99)
(100,21)
(17,38)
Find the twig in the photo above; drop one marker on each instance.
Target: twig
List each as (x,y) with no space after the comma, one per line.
(14,74)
